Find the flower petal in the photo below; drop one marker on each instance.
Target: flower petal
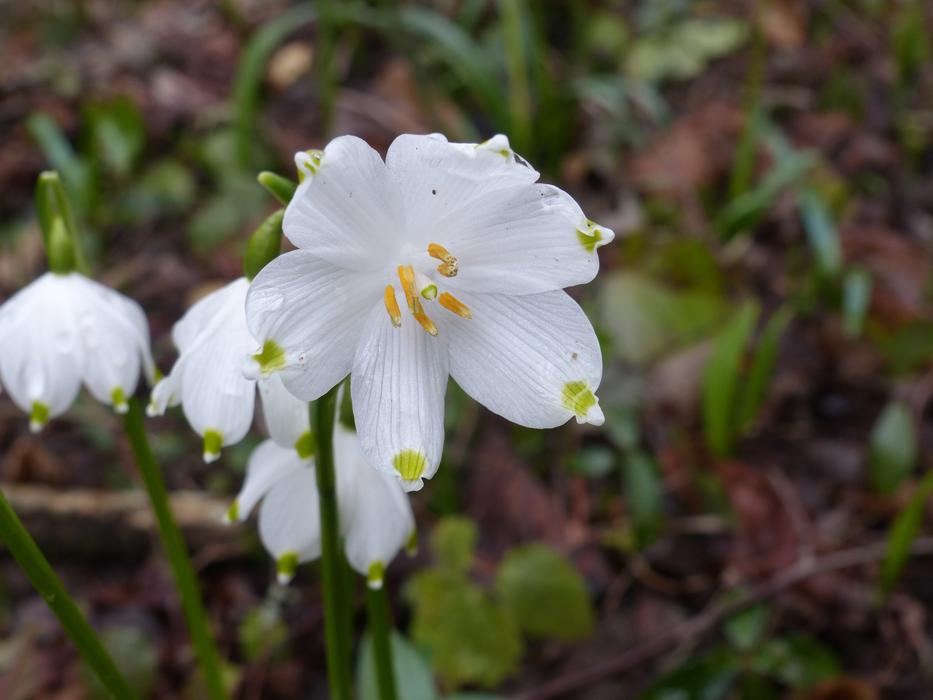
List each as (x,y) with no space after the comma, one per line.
(42,356)
(375,513)
(398,384)
(533,359)
(268,464)
(115,335)
(289,517)
(349,211)
(523,240)
(207,312)
(312,314)
(441,181)
(285,415)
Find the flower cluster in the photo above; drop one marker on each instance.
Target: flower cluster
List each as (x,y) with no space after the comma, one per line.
(478,253)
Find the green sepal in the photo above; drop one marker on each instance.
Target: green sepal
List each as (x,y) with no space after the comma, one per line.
(59,248)
(54,212)
(279,187)
(264,245)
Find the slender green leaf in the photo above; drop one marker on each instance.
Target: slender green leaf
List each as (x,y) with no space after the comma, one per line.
(755,387)
(856,297)
(643,495)
(902,535)
(75,171)
(893,448)
(412,671)
(821,232)
(721,380)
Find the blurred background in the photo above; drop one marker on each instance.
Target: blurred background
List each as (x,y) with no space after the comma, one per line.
(751,522)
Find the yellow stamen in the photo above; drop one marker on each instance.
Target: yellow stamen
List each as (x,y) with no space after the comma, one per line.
(422,318)
(452,303)
(392,306)
(448,266)
(406,275)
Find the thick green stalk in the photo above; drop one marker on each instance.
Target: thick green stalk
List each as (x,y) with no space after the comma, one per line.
(37,568)
(380,630)
(208,658)
(323,414)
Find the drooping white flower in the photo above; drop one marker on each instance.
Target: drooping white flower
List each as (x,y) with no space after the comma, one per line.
(65,329)
(375,515)
(208,378)
(479,253)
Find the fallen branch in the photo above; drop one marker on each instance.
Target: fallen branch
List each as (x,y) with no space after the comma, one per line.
(695,627)
(78,522)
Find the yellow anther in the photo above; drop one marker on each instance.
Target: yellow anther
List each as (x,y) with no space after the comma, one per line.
(392,306)
(452,303)
(406,275)
(422,318)
(448,266)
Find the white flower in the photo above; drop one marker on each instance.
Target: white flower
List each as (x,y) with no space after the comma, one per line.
(63,329)
(208,378)
(375,515)
(476,250)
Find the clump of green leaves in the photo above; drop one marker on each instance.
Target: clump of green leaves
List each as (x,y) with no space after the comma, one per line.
(474,634)
(749,664)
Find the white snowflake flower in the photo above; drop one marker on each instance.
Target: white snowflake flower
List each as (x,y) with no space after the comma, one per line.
(208,379)
(375,516)
(63,329)
(479,254)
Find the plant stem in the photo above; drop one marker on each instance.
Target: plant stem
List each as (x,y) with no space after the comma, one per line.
(28,555)
(208,658)
(380,630)
(336,636)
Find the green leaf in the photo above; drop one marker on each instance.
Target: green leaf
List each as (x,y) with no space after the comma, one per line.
(264,245)
(452,542)
(821,232)
(902,535)
(906,349)
(76,173)
(893,449)
(721,380)
(118,133)
(262,632)
(593,462)
(470,638)
(643,495)
(797,661)
(708,677)
(856,297)
(755,387)
(135,655)
(533,579)
(167,188)
(683,51)
(412,672)
(745,630)
(647,320)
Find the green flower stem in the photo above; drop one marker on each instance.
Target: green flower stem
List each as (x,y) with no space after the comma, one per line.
(37,568)
(336,636)
(208,658)
(380,629)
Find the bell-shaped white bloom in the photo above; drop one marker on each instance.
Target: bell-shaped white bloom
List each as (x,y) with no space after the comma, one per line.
(464,239)
(208,378)
(375,515)
(65,329)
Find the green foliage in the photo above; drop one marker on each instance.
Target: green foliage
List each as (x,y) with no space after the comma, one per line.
(117,132)
(902,535)
(643,495)
(647,319)
(856,297)
(733,392)
(76,171)
(893,447)
(821,233)
(593,462)
(452,542)
(474,635)
(135,655)
(683,50)
(533,579)
(263,633)
(749,665)
(470,637)
(412,671)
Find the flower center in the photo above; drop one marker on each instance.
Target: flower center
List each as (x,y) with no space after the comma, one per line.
(419,288)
